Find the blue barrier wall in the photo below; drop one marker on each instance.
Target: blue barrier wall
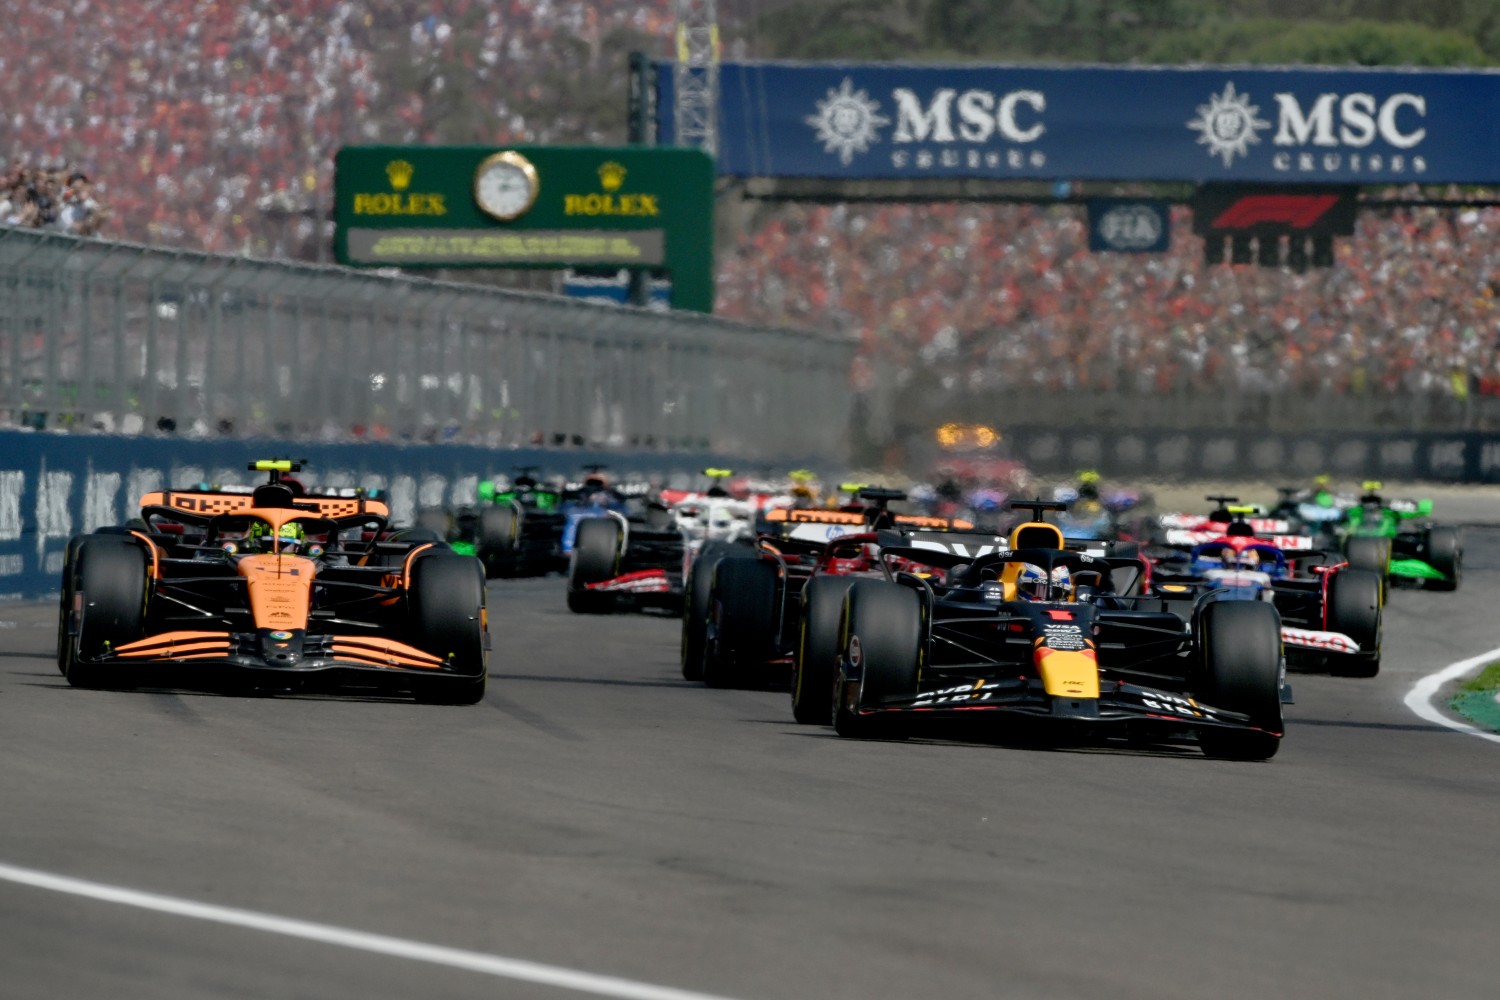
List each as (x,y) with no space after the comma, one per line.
(53,486)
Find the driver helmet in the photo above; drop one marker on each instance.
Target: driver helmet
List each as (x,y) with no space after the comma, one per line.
(287,538)
(1249,559)
(1034,584)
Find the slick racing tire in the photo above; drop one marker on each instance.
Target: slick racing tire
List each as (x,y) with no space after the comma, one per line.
(1354,608)
(1241,648)
(111,577)
(880,655)
(816,660)
(743,633)
(1369,553)
(447,617)
(65,602)
(697,604)
(1445,554)
(596,558)
(496,542)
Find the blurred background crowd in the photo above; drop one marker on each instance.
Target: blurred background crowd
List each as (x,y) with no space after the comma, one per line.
(212,125)
(978,297)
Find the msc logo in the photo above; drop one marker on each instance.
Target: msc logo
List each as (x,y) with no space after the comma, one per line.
(945,125)
(1341,126)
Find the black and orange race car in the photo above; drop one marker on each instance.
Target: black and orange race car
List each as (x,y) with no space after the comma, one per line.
(275,591)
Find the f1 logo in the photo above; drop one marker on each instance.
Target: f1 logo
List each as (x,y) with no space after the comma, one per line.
(1298,211)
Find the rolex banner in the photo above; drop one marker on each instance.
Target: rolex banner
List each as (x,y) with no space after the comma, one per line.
(1325,126)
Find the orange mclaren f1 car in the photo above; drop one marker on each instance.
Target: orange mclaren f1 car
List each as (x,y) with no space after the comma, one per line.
(280,592)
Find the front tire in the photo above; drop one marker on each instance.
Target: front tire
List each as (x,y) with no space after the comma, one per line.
(596,558)
(880,655)
(1241,647)
(447,619)
(111,577)
(65,603)
(817,658)
(1368,553)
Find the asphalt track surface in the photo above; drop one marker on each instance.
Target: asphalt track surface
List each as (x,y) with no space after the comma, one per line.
(596,813)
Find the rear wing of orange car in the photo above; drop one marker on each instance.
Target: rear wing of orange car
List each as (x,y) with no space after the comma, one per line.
(196,505)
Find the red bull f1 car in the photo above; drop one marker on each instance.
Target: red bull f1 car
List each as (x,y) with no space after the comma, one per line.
(212,588)
(1043,639)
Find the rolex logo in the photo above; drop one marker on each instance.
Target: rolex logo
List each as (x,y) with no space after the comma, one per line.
(399,172)
(611,175)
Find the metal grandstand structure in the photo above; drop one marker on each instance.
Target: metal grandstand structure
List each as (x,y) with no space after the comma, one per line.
(696,75)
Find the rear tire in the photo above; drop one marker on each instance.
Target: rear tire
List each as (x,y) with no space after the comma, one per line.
(111,576)
(882,629)
(596,558)
(697,603)
(447,619)
(695,611)
(496,542)
(1445,554)
(1241,645)
(816,665)
(743,602)
(1354,608)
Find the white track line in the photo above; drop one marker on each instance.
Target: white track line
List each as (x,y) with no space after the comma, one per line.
(492,965)
(1419,699)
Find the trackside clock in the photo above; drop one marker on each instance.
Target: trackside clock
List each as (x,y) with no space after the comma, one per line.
(505,185)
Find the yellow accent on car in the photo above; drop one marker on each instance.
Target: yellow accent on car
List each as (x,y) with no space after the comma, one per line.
(1068,673)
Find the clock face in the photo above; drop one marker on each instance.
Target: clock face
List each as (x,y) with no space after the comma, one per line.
(505,185)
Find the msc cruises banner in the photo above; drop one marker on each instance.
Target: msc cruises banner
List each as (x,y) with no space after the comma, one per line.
(1348,126)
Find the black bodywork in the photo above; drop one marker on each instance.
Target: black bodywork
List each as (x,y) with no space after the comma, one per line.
(978,651)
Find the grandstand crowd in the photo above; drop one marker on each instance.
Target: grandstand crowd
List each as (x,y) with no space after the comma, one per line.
(212,125)
(985,296)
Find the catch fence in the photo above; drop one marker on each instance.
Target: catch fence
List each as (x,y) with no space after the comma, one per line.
(127,339)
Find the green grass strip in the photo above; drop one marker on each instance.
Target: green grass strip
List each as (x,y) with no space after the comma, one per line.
(1488,679)
(1476,699)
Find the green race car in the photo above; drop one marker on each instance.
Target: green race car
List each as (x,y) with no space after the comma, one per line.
(1398,539)
(514,528)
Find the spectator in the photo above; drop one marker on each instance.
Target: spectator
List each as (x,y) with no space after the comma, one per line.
(982,297)
(214,125)
(48,198)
